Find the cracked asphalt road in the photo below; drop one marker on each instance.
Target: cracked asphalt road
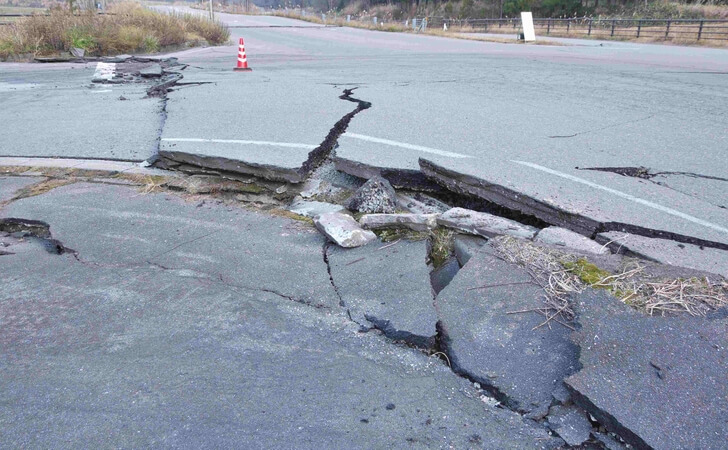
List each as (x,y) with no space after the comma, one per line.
(178,325)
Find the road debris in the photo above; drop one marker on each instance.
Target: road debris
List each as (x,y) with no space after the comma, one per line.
(484,224)
(343,230)
(415,222)
(375,196)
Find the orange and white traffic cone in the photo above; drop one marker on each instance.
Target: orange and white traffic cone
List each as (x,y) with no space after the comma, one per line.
(242,60)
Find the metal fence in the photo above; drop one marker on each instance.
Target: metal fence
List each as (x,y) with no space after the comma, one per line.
(649,29)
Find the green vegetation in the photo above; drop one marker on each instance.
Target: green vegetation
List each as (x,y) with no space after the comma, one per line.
(128,28)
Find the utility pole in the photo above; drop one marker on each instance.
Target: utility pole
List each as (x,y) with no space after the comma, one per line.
(212,15)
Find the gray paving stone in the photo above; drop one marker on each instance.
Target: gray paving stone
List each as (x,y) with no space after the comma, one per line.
(561,237)
(658,382)
(668,252)
(521,364)
(343,230)
(388,287)
(484,224)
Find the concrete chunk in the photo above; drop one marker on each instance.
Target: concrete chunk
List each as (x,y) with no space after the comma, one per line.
(343,230)
(416,222)
(668,252)
(484,224)
(387,287)
(561,237)
(153,71)
(313,209)
(571,423)
(520,362)
(657,382)
(375,196)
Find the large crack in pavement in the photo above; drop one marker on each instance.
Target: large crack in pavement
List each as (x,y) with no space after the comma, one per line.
(550,213)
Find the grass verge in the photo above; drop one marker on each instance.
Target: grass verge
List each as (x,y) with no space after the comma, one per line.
(128,28)
(562,275)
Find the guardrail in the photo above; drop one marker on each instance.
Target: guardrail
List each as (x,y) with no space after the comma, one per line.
(654,29)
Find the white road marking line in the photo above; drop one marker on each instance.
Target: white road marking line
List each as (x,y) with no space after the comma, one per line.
(105,70)
(101,91)
(419,148)
(243,142)
(624,195)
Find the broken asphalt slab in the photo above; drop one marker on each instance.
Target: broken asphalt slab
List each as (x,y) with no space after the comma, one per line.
(658,382)
(119,227)
(102,349)
(580,203)
(252,126)
(668,252)
(493,336)
(387,287)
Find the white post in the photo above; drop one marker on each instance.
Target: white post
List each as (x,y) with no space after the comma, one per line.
(529,33)
(212,14)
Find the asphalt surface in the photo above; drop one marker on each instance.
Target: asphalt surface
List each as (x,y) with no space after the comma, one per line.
(178,324)
(521,116)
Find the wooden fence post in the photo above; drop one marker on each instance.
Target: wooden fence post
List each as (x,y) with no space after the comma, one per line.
(614,22)
(639,28)
(700,30)
(667,29)
(590,25)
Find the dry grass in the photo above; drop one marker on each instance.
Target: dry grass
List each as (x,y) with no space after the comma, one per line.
(562,275)
(129,28)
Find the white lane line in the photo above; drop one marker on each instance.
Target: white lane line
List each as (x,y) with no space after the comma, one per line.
(624,195)
(105,71)
(243,142)
(419,148)
(101,91)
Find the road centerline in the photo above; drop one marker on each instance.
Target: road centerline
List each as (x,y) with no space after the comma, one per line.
(242,142)
(419,148)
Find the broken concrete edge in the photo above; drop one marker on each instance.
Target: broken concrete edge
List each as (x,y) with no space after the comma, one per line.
(399,178)
(469,185)
(444,346)
(604,418)
(385,326)
(169,159)
(36,229)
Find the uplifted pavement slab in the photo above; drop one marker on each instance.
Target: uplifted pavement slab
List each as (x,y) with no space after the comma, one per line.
(492,336)
(668,252)
(561,237)
(658,382)
(118,226)
(251,125)
(9,186)
(387,286)
(96,354)
(585,203)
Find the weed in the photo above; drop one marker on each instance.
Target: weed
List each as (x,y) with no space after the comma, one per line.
(441,246)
